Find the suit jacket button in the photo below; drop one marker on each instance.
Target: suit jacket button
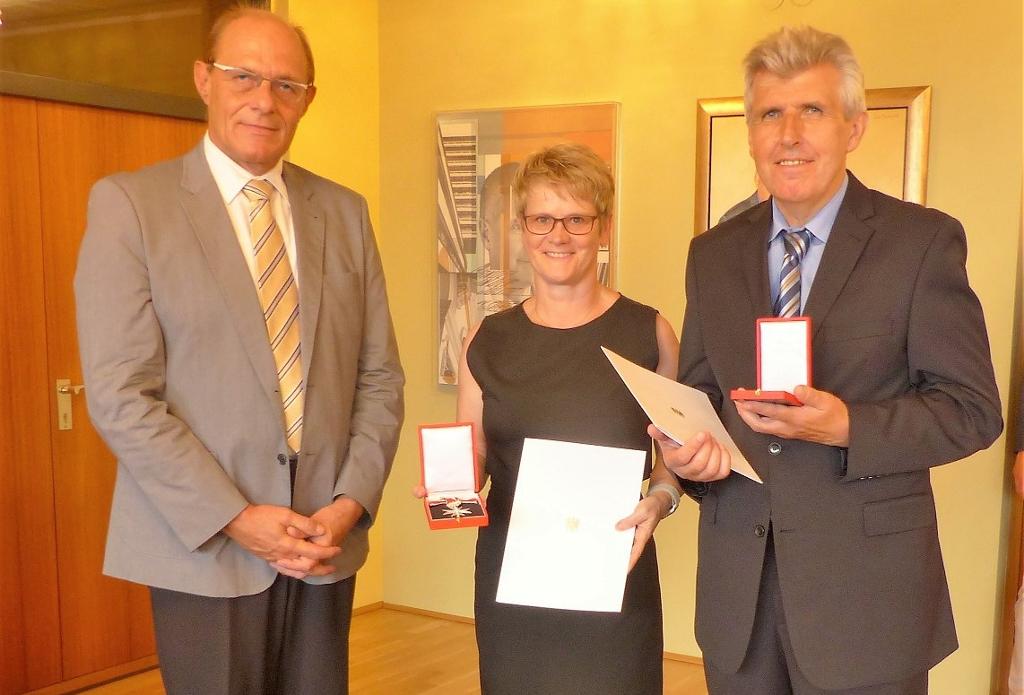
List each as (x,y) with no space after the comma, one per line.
(759,530)
(282,459)
(774,448)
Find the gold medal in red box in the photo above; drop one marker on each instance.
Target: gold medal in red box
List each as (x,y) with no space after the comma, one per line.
(450,476)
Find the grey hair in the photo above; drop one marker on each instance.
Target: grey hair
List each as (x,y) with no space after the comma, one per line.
(792,50)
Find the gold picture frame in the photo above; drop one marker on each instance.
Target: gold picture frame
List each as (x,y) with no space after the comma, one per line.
(892,157)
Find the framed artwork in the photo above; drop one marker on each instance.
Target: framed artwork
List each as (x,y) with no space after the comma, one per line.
(892,156)
(482,266)
(132,55)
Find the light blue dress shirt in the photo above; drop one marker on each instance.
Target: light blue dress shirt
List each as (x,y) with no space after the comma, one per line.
(820,227)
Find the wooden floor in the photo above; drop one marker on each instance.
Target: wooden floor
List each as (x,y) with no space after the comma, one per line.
(398,653)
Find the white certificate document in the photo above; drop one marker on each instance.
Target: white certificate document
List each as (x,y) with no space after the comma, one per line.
(562,549)
(677,410)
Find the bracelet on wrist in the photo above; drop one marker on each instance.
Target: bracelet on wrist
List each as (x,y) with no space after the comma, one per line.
(672,493)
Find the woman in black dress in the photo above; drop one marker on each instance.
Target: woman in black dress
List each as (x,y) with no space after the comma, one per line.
(536,370)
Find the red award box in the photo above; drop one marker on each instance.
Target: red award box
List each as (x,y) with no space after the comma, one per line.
(448,465)
(783,360)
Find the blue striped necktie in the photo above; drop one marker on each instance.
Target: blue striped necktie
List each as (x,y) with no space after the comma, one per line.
(788,302)
(279,298)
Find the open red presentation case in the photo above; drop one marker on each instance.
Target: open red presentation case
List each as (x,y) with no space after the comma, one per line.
(449,473)
(783,360)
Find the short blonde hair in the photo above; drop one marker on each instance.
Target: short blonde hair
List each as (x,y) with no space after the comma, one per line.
(573,166)
(792,50)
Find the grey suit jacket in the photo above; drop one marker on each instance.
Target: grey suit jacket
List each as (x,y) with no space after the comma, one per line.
(899,335)
(181,382)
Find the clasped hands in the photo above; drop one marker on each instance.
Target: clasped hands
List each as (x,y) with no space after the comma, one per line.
(293,544)
(823,418)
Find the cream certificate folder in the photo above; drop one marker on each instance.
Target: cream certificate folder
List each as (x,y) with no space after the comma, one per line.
(676,409)
(562,549)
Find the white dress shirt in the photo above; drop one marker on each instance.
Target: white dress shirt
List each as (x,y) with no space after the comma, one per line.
(231,178)
(819,227)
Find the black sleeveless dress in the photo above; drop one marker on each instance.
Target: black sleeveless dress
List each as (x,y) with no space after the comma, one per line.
(553,383)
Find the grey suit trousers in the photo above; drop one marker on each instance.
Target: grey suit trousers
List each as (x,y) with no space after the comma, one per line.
(290,639)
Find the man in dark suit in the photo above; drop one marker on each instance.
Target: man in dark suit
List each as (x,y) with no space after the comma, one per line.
(240,363)
(828,577)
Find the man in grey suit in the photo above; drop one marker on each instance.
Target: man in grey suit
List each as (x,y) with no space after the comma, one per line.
(240,362)
(828,578)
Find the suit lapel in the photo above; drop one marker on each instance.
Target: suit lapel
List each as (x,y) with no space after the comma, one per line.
(846,242)
(205,209)
(309,221)
(739,357)
(752,252)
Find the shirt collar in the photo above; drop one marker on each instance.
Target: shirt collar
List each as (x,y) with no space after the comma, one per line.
(230,176)
(820,226)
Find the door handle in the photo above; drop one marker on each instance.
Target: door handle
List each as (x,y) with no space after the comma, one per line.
(65,390)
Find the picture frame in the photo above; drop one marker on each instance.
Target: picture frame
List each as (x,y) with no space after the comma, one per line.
(482,266)
(124,54)
(892,157)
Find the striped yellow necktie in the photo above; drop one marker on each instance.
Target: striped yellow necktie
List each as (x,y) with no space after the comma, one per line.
(279,298)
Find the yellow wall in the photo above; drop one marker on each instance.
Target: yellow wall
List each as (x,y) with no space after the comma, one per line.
(340,138)
(657,58)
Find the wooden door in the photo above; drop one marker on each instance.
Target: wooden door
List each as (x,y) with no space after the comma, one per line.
(103,623)
(29,614)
